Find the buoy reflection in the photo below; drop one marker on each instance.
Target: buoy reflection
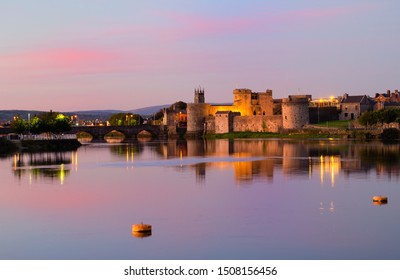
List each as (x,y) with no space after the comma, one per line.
(138,234)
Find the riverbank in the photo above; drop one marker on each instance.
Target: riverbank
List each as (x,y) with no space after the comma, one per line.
(50,145)
(12,146)
(385,134)
(7,146)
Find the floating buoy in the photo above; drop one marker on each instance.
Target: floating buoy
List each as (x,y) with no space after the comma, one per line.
(378,200)
(141,228)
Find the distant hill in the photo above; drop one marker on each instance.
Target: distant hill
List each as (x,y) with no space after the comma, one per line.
(148,111)
(94,114)
(8,115)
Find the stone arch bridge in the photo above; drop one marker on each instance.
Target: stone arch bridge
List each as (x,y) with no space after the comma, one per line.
(130,132)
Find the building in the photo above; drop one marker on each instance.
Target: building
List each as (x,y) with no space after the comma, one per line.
(351,107)
(325,102)
(175,115)
(324,109)
(387,100)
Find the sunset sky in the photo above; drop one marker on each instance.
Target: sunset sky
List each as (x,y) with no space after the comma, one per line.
(125,54)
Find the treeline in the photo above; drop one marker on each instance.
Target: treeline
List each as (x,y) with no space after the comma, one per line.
(379,117)
(46,122)
(125,119)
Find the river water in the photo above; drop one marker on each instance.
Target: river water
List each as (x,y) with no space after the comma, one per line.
(219,199)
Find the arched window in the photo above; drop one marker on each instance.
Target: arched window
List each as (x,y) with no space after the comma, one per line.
(254,113)
(263,113)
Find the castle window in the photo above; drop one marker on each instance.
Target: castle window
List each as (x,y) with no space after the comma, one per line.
(263,113)
(254,113)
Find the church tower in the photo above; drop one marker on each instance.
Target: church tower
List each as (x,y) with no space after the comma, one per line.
(199,95)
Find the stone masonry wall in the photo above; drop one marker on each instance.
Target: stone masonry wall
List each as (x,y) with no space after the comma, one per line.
(257,123)
(295,114)
(196,117)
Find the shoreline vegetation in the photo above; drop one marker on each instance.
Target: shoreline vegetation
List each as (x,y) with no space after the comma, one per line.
(325,130)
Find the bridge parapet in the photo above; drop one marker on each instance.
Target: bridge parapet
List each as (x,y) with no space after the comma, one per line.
(98,132)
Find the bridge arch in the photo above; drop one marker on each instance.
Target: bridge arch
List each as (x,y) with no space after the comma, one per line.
(146,133)
(115,136)
(84,136)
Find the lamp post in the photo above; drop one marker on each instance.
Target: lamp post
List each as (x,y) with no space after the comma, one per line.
(29,123)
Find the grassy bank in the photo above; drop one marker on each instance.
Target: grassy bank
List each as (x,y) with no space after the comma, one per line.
(248,134)
(344,124)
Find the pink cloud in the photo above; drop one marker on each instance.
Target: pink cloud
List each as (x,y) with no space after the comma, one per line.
(57,59)
(192,25)
(60,62)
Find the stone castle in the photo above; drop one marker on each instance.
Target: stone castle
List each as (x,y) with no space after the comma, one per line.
(250,111)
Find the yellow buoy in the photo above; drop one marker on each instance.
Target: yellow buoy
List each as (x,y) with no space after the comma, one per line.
(141,228)
(378,200)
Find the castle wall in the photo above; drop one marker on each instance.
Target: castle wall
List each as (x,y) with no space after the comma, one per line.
(257,123)
(224,121)
(196,115)
(210,121)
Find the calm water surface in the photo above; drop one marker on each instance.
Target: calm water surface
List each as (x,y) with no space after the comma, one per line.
(242,199)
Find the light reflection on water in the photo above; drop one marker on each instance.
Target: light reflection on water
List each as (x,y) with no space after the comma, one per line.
(220,199)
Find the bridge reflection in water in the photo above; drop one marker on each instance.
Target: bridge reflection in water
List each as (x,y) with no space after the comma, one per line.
(47,165)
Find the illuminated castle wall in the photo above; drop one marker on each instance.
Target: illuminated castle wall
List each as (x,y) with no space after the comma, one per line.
(250,111)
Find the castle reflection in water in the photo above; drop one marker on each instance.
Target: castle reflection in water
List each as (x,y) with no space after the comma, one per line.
(292,157)
(251,159)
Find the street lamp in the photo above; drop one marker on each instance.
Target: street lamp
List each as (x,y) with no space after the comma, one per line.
(29,123)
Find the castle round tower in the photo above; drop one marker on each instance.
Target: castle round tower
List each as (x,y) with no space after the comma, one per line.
(295,111)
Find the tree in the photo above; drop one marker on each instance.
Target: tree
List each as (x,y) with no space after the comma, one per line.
(368,118)
(125,119)
(49,122)
(19,125)
(381,116)
(390,115)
